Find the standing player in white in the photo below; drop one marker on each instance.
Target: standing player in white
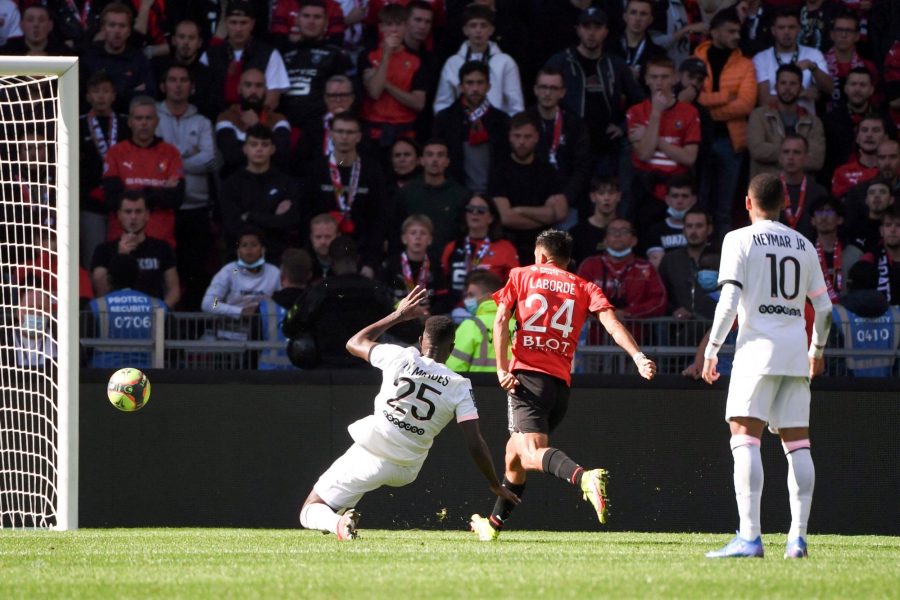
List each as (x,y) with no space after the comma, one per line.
(418,397)
(766,274)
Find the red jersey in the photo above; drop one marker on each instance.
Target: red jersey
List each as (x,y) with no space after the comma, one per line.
(679,125)
(550,306)
(497,256)
(141,168)
(403,72)
(849,175)
(892,77)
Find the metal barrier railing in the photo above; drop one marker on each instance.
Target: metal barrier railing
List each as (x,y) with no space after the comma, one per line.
(201,341)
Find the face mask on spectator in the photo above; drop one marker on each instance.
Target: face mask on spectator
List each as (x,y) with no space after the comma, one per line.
(33,323)
(471,305)
(708,279)
(619,253)
(254,265)
(676,214)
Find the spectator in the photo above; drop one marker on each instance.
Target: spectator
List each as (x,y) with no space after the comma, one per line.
(158,276)
(693,73)
(480,248)
(665,134)
(477,133)
(836,256)
(816,80)
(282,21)
(885,256)
(864,166)
(800,190)
(123,313)
(595,82)
(406,166)
(239,286)
(310,60)
(295,273)
(323,229)
(664,236)
(588,234)
(10,18)
(99,129)
(564,141)
(866,232)
(635,45)
(37,24)
(30,343)
(730,95)
(866,320)
(680,270)
(756,27)
(181,125)
(233,123)
(513,30)
(394,82)
(506,87)
(123,62)
(420,42)
(526,189)
(186,45)
(630,283)
(680,32)
(887,162)
(553,25)
(261,195)
(817,21)
(411,267)
(769,124)
(473,350)
(151,27)
(842,122)
(239,52)
(351,189)
(145,162)
(434,195)
(843,57)
(315,139)
(337,307)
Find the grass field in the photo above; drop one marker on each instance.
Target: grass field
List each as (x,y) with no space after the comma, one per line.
(229,563)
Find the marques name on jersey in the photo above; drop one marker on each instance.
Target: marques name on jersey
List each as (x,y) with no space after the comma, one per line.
(415,371)
(775,239)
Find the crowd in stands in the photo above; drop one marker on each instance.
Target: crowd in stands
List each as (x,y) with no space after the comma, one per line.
(226,145)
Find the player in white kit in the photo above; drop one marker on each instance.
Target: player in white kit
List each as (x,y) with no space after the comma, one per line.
(767,272)
(418,397)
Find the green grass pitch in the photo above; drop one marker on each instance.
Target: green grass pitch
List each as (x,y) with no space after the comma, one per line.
(230,563)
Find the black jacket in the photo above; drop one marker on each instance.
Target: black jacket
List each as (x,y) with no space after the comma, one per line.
(452,126)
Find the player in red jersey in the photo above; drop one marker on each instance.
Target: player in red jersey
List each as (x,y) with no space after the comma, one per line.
(551,306)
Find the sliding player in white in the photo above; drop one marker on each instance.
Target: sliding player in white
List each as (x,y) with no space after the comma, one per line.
(418,397)
(767,272)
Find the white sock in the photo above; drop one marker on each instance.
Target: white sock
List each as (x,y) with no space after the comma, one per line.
(748,483)
(801,480)
(319,516)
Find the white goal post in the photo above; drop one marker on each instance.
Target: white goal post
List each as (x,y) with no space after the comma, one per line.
(39,345)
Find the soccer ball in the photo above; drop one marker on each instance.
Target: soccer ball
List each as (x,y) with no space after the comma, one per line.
(128,389)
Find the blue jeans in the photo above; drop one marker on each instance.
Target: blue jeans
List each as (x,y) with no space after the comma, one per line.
(719,190)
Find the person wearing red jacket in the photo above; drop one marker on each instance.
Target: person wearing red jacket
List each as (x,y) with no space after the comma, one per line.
(630,283)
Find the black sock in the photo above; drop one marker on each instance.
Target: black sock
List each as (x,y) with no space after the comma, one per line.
(503,507)
(557,463)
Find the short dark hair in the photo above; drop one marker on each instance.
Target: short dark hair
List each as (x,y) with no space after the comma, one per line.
(847,15)
(785,13)
(98,78)
(436,141)
(556,243)
(133,195)
(477,11)
(123,271)
(522,119)
(417,149)
(474,66)
(793,135)
(177,66)
(486,280)
(681,181)
(440,330)
(789,68)
(724,16)
(258,131)
(599,183)
(251,230)
(393,13)
(347,117)
(552,72)
(421,5)
(826,201)
(860,71)
(296,265)
(767,192)
(696,210)
(660,60)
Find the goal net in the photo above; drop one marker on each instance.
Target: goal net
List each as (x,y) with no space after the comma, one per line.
(38,293)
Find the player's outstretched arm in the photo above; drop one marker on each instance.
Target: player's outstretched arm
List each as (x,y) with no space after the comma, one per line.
(481,456)
(618,332)
(409,308)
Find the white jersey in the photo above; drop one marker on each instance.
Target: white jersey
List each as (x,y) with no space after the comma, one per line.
(776,269)
(418,397)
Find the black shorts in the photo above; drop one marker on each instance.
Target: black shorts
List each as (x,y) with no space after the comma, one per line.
(538,404)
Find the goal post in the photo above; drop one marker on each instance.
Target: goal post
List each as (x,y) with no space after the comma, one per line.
(39,366)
